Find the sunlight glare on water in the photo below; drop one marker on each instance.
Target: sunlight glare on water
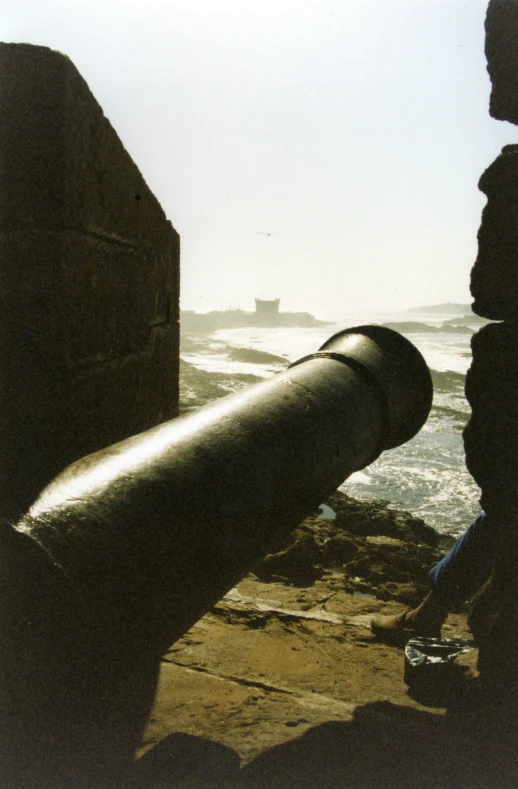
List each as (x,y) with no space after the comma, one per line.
(426,476)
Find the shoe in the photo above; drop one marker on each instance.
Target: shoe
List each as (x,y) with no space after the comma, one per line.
(425,621)
(394,629)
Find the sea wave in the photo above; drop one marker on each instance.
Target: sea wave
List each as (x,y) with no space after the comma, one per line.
(414,327)
(448,380)
(427,476)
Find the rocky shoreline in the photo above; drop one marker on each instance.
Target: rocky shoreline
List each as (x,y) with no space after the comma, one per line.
(366,548)
(232,319)
(373,548)
(283,686)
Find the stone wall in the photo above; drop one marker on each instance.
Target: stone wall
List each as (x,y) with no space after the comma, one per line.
(491,436)
(502,58)
(89,280)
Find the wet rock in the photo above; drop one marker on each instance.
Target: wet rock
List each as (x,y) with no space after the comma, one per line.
(379,564)
(297,564)
(338,551)
(253,356)
(371,518)
(365,558)
(198,387)
(414,327)
(447,381)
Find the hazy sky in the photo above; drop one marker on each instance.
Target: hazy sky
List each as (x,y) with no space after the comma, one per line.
(353,132)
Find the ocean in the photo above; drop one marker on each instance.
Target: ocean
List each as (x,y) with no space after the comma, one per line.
(426,476)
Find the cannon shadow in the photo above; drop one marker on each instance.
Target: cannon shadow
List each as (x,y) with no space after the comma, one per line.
(385,745)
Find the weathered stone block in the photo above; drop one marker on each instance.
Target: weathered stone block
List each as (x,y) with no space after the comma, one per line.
(502,58)
(89,279)
(494,277)
(491,436)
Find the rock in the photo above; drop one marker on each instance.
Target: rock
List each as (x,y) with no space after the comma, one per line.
(297,564)
(494,277)
(251,355)
(447,381)
(373,518)
(363,559)
(379,564)
(198,387)
(206,322)
(502,59)
(414,327)
(491,435)
(410,594)
(390,541)
(338,551)
(456,328)
(411,327)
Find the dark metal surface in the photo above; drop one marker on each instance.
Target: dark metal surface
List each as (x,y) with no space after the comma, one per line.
(128,547)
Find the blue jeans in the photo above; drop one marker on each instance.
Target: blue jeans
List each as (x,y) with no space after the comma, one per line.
(467,566)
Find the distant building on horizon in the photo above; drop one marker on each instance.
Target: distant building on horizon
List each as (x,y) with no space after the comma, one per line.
(267,310)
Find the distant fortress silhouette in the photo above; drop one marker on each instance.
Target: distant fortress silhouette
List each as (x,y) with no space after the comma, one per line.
(267,313)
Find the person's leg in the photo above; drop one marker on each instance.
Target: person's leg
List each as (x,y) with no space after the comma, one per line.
(466,566)
(454,579)
(425,620)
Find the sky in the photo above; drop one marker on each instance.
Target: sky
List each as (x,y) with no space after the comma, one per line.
(323,152)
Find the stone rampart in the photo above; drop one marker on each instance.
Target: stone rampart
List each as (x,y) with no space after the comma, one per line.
(89,280)
(491,436)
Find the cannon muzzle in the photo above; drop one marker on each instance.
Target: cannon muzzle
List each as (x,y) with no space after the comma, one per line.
(126,549)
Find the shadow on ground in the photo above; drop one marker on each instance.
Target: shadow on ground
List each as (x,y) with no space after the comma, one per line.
(383,746)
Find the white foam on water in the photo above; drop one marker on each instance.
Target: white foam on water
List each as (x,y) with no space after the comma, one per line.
(427,476)
(222,364)
(359,478)
(289,342)
(444,352)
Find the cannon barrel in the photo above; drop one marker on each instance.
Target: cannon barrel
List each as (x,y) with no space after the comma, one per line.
(127,548)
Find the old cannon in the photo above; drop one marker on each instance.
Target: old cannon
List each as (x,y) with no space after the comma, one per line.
(127,548)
